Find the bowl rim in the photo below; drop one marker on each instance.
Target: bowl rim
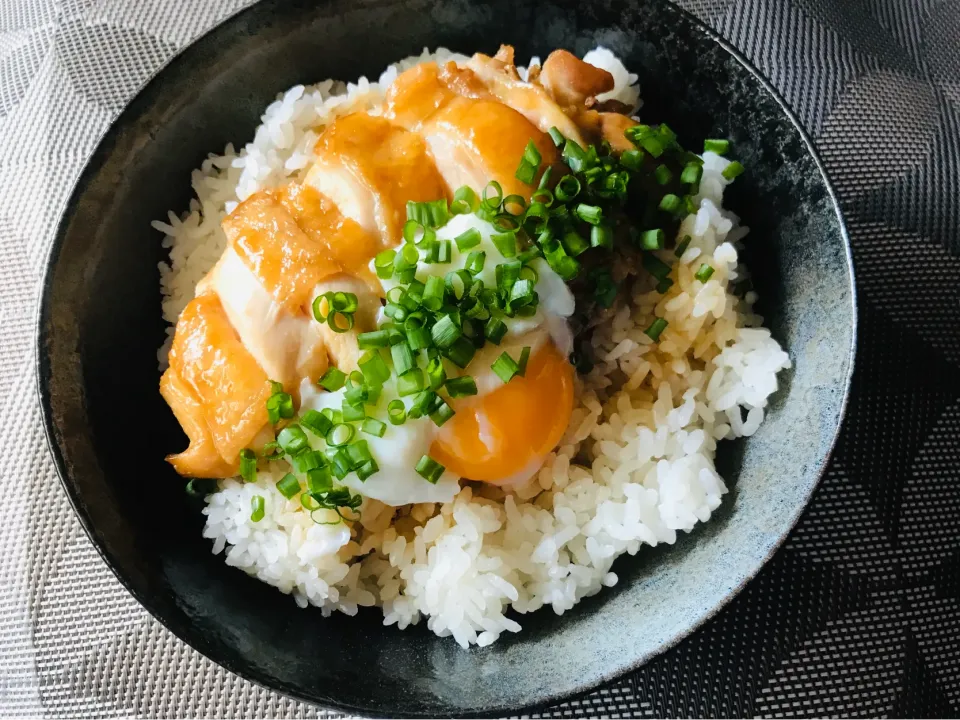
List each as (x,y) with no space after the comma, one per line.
(42,316)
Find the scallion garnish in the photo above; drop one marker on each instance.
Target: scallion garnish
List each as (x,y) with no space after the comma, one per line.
(529,164)
(445,332)
(601,236)
(293,439)
(372,426)
(656,327)
(257,510)
(556,136)
(505,367)
(333,379)
(733,170)
(662,175)
(248,465)
(441,413)
(279,404)
(720,147)
(704,273)
(464,386)
(670,203)
(652,239)
(429,469)
(682,246)
(506,243)
(410,383)
(468,239)
(340,434)
(288,485)
(396,412)
(464,201)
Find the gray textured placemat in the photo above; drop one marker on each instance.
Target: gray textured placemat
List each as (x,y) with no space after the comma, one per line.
(857,614)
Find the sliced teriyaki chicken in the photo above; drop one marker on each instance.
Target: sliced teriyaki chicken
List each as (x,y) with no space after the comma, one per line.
(216,389)
(473,139)
(282,245)
(499,75)
(370,168)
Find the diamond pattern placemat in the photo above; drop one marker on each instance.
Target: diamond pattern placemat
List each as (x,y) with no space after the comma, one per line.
(858,614)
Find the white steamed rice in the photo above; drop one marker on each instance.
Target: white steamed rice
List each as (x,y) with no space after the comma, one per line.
(647,420)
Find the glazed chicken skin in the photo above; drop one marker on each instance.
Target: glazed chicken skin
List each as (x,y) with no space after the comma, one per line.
(441,127)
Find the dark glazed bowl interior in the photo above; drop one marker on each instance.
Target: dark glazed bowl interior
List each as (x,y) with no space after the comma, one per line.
(100,328)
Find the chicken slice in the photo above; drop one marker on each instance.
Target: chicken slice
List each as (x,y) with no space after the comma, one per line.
(213,383)
(571,81)
(370,168)
(472,140)
(534,102)
(292,238)
(287,343)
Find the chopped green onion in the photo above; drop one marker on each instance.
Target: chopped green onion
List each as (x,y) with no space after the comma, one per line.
(358,454)
(338,326)
(429,469)
(374,369)
(288,485)
(720,147)
(704,273)
(418,337)
(682,246)
(567,189)
(424,404)
(396,412)
(383,264)
(524,359)
(279,405)
(357,389)
(557,258)
(444,252)
(306,460)
(529,164)
(257,508)
(345,302)
(670,203)
(316,422)
(733,170)
(475,262)
(339,461)
(442,413)
(506,243)
(463,386)
(369,468)
(271,450)
(457,283)
(653,145)
(518,202)
(318,480)
(410,383)
(468,239)
(655,266)
(662,175)
(574,156)
(374,339)
(436,375)
(592,214)
(652,239)
(430,214)
(340,435)
(464,201)
(605,289)
(332,415)
(691,174)
(632,160)
(556,136)
(372,426)
(461,352)
(505,367)
(445,332)
(495,330)
(402,358)
(601,236)
(574,243)
(492,202)
(248,465)
(352,412)
(293,439)
(656,327)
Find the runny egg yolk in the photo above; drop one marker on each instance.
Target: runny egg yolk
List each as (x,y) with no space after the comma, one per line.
(494,437)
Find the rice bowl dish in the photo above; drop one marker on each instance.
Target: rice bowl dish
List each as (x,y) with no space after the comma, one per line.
(591,464)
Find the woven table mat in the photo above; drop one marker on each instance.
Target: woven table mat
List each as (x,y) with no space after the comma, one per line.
(857,614)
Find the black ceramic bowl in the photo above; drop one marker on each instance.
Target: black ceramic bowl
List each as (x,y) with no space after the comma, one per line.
(100,327)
